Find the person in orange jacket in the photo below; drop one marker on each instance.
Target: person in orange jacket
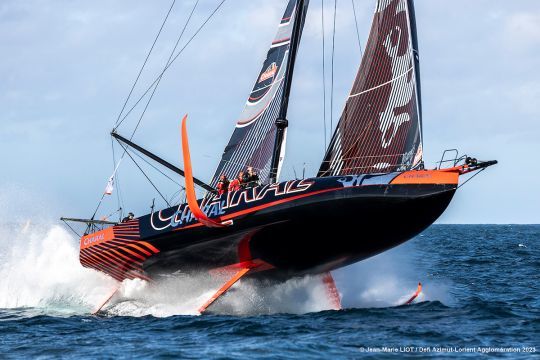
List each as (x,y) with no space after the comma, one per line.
(236,184)
(223,185)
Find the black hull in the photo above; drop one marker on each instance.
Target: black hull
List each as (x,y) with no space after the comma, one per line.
(311,235)
(358,226)
(292,228)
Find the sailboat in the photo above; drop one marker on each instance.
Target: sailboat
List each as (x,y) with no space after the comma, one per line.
(372,191)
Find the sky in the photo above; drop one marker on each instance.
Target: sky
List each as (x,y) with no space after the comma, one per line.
(66,67)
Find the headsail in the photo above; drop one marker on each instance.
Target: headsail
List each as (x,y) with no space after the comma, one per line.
(380,129)
(252,142)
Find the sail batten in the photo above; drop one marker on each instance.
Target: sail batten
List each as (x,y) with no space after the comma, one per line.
(380,127)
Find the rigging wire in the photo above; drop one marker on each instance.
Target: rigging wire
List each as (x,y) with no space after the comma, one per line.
(154,91)
(119,192)
(332,82)
(97,207)
(144,64)
(166,64)
(199,29)
(469,179)
(124,106)
(111,214)
(120,203)
(323,72)
(173,60)
(158,170)
(69,226)
(357,31)
(177,194)
(147,178)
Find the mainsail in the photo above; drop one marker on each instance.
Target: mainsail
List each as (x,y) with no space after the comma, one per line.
(252,142)
(380,129)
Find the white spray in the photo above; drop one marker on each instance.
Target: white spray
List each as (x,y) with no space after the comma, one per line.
(40,269)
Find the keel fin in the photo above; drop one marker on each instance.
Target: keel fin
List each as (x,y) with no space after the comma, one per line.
(415,295)
(190,185)
(98,309)
(237,276)
(332,291)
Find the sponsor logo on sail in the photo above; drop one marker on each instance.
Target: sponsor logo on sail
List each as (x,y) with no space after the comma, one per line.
(270,72)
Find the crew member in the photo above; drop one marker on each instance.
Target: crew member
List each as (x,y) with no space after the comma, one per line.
(129,217)
(236,184)
(252,178)
(223,184)
(244,179)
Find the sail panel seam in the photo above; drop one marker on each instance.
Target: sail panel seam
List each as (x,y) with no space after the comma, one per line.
(379,86)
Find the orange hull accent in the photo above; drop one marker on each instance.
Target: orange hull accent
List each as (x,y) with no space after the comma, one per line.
(427,177)
(223,289)
(98,309)
(415,295)
(190,185)
(97,238)
(331,291)
(255,265)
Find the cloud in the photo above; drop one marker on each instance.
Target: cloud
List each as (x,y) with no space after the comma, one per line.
(525,98)
(68,65)
(522,31)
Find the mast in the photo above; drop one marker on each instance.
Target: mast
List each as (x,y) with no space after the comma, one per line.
(416,63)
(281,122)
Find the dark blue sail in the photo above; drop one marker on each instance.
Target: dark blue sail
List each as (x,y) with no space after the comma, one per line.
(252,142)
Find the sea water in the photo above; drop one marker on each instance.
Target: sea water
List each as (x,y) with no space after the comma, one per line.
(481,294)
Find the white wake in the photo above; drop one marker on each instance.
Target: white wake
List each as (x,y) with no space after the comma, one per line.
(40,270)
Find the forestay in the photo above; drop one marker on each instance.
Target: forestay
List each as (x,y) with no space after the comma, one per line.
(380,129)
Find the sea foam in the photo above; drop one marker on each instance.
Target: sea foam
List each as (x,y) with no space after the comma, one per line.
(40,269)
